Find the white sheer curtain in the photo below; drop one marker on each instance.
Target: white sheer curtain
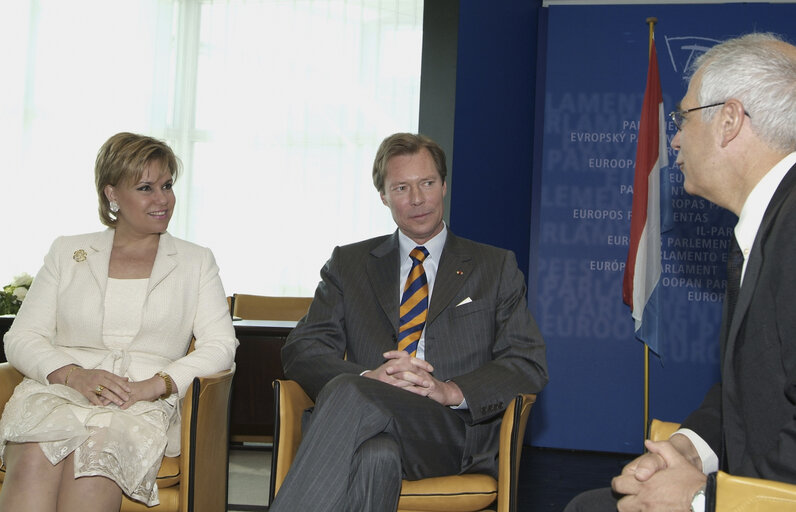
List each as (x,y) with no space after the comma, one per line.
(276,109)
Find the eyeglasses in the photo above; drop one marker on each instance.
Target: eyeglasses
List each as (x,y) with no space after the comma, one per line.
(678,116)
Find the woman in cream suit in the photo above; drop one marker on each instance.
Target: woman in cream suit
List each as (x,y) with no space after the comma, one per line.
(102,339)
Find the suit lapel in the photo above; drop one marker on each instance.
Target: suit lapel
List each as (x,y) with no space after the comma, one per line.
(755,262)
(99,256)
(453,271)
(164,261)
(383,269)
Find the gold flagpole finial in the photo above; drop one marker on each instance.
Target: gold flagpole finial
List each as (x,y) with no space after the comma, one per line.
(651,21)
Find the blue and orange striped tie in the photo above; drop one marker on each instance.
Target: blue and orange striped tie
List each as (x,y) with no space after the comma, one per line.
(414,303)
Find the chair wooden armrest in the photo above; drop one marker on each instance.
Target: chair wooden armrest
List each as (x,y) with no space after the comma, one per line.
(202,468)
(739,493)
(456,493)
(512,434)
(10,377)
(661,430)
(205,413)
(744,494)
(290,401)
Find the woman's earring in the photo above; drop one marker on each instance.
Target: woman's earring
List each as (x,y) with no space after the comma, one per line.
(114,206)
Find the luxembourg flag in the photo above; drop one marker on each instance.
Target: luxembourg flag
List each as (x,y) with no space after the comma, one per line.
(641,286)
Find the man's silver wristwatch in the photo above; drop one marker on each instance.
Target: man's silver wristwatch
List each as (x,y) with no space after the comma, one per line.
(698,501)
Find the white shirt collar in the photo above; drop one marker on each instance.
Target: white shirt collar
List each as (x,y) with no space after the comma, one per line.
(756,204)
(434,246)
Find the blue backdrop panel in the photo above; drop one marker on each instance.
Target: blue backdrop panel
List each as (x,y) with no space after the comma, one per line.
(595,74)
(493,124)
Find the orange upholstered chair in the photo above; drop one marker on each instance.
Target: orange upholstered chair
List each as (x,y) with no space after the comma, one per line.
(457,493)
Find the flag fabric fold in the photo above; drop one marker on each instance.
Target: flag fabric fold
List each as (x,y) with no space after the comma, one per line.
(641,287)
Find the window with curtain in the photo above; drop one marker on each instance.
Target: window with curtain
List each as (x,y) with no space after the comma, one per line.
(275,107)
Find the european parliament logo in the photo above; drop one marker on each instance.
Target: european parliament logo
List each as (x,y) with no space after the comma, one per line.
(682,51)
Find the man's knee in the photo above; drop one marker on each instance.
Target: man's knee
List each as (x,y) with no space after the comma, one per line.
(349,388)
(350,404)
(596,500)
(343,383)
(341,400)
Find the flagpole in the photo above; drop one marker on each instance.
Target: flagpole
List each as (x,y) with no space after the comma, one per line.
(651,22)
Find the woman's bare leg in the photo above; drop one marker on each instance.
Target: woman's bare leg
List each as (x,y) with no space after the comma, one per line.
(31,481)
(106,495)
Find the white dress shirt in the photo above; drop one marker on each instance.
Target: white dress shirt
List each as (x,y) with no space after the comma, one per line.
(430,265)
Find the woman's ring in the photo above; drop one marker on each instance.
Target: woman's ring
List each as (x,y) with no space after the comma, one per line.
(98,389)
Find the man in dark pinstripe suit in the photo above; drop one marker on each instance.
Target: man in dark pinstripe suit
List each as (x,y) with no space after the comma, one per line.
(381,414)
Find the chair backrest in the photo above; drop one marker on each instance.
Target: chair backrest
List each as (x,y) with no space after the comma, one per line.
(260,307)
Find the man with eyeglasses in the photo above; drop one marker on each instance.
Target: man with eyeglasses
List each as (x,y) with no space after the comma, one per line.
(736,144)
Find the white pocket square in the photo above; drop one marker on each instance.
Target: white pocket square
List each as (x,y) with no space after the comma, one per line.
(465,301)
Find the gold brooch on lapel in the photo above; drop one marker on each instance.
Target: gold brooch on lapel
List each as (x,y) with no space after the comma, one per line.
(79,255)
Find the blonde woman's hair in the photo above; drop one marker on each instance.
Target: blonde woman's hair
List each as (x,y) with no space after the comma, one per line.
(122,160)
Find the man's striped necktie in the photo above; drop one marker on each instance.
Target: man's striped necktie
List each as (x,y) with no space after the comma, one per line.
(414,303)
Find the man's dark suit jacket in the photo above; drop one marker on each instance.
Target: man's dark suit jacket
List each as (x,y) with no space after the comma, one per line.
(490,345)
(752,412)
